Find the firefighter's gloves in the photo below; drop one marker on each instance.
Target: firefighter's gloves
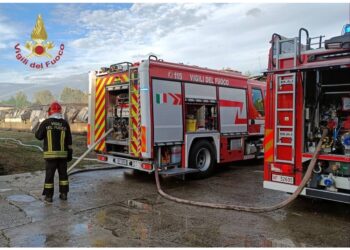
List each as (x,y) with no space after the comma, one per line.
(35,125)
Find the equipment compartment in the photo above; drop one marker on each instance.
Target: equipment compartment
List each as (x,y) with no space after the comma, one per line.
(118,118)
(327,105)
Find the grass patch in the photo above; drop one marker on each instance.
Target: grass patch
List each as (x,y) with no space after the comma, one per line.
(16,159)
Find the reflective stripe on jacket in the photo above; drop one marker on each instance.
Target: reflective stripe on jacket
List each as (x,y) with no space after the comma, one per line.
(57,137)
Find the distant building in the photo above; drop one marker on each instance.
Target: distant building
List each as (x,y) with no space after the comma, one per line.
(4,107)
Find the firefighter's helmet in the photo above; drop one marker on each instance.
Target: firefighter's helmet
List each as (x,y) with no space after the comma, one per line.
(55,107)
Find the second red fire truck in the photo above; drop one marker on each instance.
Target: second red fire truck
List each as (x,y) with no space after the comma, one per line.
(179,118)
(308,90)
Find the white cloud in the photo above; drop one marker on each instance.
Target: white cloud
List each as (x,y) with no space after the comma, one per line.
(140,25)
(9,31)
(3,45)
(6,31)
(211,35)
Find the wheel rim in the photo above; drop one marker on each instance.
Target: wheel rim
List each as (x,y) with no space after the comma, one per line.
(203,159)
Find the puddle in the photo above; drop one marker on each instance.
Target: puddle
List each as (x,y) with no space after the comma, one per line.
(21,198)
(38,240)
(80,229)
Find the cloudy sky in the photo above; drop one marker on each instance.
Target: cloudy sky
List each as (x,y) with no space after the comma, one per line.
(209,35)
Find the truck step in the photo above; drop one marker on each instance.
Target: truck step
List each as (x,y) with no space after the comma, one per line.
(178,171)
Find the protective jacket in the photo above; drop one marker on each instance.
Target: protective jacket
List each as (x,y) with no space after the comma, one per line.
(57,136)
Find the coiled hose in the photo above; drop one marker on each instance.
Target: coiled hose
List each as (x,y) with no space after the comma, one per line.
(284,203)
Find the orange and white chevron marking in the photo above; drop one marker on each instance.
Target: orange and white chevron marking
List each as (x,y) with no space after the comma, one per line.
(100,110)
(268,145)
(135,120)
(121,78)
(135,146)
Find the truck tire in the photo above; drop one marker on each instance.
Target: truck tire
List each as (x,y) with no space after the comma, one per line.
(202,156)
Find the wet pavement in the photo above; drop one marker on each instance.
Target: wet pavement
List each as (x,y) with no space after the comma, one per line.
(121,207)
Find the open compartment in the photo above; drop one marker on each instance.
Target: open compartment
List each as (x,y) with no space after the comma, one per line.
(201,116)
(327,105)
(117,108)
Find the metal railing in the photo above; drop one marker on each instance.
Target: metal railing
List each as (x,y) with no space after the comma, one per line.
(310,43)
(299,42)
(273,47)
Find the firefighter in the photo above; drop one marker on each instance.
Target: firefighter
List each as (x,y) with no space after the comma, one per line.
(55,132)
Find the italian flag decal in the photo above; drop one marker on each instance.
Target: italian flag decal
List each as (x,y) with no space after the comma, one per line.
(161,98)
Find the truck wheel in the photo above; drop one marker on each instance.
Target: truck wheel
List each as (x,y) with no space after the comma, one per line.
(202,157)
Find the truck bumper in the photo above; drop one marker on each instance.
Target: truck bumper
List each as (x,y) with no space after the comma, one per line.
(126,162)
(328,195)
(309,192)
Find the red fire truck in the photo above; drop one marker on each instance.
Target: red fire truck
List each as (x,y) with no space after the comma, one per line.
(182,119)
(308,90)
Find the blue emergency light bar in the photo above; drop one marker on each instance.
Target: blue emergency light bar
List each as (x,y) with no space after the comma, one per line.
(340,42)
(346,29)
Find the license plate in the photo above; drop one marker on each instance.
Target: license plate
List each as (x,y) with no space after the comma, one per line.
(121,161)
(283,179)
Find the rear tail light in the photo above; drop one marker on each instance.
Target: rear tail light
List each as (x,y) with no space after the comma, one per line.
(102,158)
(147,166)
(88,134)
(287,169)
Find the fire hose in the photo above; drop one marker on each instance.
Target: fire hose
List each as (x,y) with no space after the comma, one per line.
(83,156)
(79,159)
(284,203)
(92,147)
(21,143)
